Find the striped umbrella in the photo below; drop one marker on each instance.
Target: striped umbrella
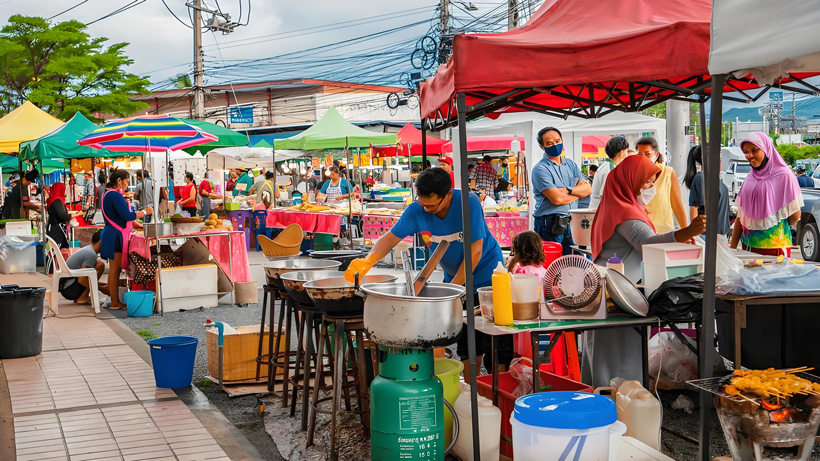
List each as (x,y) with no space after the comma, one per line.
(147,133)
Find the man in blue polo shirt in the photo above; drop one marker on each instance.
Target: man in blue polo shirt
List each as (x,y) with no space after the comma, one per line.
(436,215)
(557,183)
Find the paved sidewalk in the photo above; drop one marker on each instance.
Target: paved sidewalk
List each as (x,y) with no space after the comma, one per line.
(90,396)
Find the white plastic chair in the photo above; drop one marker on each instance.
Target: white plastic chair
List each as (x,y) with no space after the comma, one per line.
(61,271)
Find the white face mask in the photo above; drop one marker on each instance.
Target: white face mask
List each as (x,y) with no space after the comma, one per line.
(646,196)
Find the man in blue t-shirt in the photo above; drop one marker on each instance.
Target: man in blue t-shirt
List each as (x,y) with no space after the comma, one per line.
(436,215)
(803,180)
(558,184)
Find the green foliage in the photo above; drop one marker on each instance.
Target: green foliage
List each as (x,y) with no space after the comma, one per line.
(792,153)
(146,334)
(203,383)
(156,324)
(61,69)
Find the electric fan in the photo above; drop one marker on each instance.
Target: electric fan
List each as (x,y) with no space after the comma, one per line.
(574,289)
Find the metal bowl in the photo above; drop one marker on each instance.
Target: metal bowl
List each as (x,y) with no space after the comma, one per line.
(294,283)
(345,256)
(274,269)
(158,229)
(433,318)
(335,296)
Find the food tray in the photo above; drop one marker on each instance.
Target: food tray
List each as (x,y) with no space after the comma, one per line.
(192,220)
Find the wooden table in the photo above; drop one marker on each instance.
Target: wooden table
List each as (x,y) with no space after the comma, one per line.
(539,327)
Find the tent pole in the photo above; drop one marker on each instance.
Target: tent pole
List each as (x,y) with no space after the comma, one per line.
(349,193)
(42,201)
(424,162)
(706,349)
(468,272)
(273,158)
(20,172)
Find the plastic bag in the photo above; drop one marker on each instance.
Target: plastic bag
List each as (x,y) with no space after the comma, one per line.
(679,299)
(771,279)
(676,362)
(727,264)
(15,242)
(521,372)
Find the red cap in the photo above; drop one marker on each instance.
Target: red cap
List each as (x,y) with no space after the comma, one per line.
(447,160)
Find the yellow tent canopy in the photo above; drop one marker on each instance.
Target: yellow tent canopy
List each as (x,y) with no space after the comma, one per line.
(25,123)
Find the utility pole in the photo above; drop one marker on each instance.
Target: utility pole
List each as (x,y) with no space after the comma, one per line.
(794,122)
(512,14)
(199,96)
(444,27)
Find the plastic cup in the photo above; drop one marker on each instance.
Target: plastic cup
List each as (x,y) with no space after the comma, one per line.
(485,302)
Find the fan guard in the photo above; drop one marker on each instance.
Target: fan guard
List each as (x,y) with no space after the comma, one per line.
(572,282)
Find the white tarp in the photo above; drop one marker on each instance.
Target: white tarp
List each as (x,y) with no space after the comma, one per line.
(527,124)
(765,37)
(248,157)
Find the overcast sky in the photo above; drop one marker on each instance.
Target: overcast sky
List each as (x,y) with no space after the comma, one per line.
(158,41)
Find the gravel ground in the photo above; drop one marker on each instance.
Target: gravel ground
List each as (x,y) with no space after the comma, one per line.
(241,411)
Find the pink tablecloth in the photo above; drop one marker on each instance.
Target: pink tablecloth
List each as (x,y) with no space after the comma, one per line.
(374,226)
(504,228)
(325,223)
(220,246)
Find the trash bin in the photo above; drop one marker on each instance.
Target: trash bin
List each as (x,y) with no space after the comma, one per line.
(173,360)
(21,314)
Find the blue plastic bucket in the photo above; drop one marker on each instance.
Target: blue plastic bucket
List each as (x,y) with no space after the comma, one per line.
(173,359)
(139,303)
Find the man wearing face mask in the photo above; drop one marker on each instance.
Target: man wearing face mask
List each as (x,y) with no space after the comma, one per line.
(557,183)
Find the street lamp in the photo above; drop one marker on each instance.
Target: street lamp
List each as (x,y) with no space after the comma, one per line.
(469,5)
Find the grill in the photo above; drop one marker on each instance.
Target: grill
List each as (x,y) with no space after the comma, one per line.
(713,385)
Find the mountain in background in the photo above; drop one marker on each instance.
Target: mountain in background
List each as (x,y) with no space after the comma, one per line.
(808,109)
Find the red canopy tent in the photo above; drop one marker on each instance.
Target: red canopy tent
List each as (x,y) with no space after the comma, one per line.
(411,136)
(562,63)
(487,143)
(641,53)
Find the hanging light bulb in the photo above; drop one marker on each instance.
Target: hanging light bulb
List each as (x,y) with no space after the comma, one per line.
(515,145)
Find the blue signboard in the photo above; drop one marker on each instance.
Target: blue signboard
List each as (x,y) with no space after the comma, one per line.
(241,114)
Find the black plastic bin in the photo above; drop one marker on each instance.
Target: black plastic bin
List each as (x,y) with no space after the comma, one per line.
(21,314)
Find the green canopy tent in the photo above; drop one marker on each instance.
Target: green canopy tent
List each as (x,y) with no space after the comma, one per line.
(62,143)
(10,163)
(332,131)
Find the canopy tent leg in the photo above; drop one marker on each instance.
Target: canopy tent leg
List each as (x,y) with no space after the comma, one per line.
(42,201)
(20,174)
(706,353)
(349,176)
(424,162)
(468,273)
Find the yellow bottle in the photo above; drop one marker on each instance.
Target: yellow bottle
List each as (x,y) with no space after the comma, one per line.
(502,296)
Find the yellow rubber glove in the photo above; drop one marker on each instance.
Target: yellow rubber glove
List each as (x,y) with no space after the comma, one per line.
(360,265)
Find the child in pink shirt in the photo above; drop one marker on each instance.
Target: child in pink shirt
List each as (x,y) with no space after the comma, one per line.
(527,256)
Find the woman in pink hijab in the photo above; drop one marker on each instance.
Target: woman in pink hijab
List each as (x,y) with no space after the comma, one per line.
(769,201)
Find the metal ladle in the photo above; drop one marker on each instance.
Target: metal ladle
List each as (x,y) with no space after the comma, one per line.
(405,262)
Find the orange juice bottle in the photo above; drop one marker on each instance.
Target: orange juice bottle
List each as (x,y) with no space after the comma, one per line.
(502,296)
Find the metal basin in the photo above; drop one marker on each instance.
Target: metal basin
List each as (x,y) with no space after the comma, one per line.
(274,269)
(294,283)
(431,319)
(345,256)
(158,229)
(336,296)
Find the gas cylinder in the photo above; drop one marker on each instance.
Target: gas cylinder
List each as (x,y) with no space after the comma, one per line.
(406,408)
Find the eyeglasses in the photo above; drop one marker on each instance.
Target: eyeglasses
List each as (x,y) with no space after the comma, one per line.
(431,208)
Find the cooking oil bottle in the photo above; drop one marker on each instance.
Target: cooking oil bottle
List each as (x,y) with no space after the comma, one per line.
(502,296)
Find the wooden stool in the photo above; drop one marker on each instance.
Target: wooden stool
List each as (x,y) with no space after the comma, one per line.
(353,326)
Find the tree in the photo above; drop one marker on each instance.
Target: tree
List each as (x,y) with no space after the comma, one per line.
(61,69)
(182,81)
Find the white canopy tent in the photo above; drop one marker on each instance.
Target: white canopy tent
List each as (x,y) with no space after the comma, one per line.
(248,157)
(527,124)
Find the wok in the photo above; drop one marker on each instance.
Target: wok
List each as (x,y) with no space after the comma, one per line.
(335,296)
(274,269)
(345,256)
(294,283)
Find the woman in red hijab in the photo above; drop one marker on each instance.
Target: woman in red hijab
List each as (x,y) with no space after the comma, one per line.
(621,226)
(58,216)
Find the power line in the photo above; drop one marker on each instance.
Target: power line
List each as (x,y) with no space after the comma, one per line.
(66,11)
(118,11)
(176,17)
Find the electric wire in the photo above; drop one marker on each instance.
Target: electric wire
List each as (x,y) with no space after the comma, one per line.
(65,11)
(118,11)
(177,17)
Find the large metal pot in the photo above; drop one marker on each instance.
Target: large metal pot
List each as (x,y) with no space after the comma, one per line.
(294,283)
(274,269)
(345,256)
(433,318)
(158,229)
(336,296)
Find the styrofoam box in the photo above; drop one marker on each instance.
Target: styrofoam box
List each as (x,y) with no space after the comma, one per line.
(189,287)
(19,261)
(16,228)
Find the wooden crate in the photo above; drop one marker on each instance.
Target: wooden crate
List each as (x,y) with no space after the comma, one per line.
(239,354)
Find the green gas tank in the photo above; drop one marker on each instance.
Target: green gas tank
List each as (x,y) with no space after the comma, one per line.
(407,409)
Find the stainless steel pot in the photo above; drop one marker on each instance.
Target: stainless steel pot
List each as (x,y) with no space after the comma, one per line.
(433,318)
(274,269)
(294,283)
(336,296)
(345,256)
(158,229)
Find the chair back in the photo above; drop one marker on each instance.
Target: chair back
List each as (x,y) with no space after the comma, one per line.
(290,236)
(260,218)
(57,256)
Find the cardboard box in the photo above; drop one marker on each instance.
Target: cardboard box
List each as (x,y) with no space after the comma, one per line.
(239,353)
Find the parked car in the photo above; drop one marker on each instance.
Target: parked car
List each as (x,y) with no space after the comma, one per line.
(734,176)
(808,237)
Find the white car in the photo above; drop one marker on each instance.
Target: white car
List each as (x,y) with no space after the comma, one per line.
(734,176)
